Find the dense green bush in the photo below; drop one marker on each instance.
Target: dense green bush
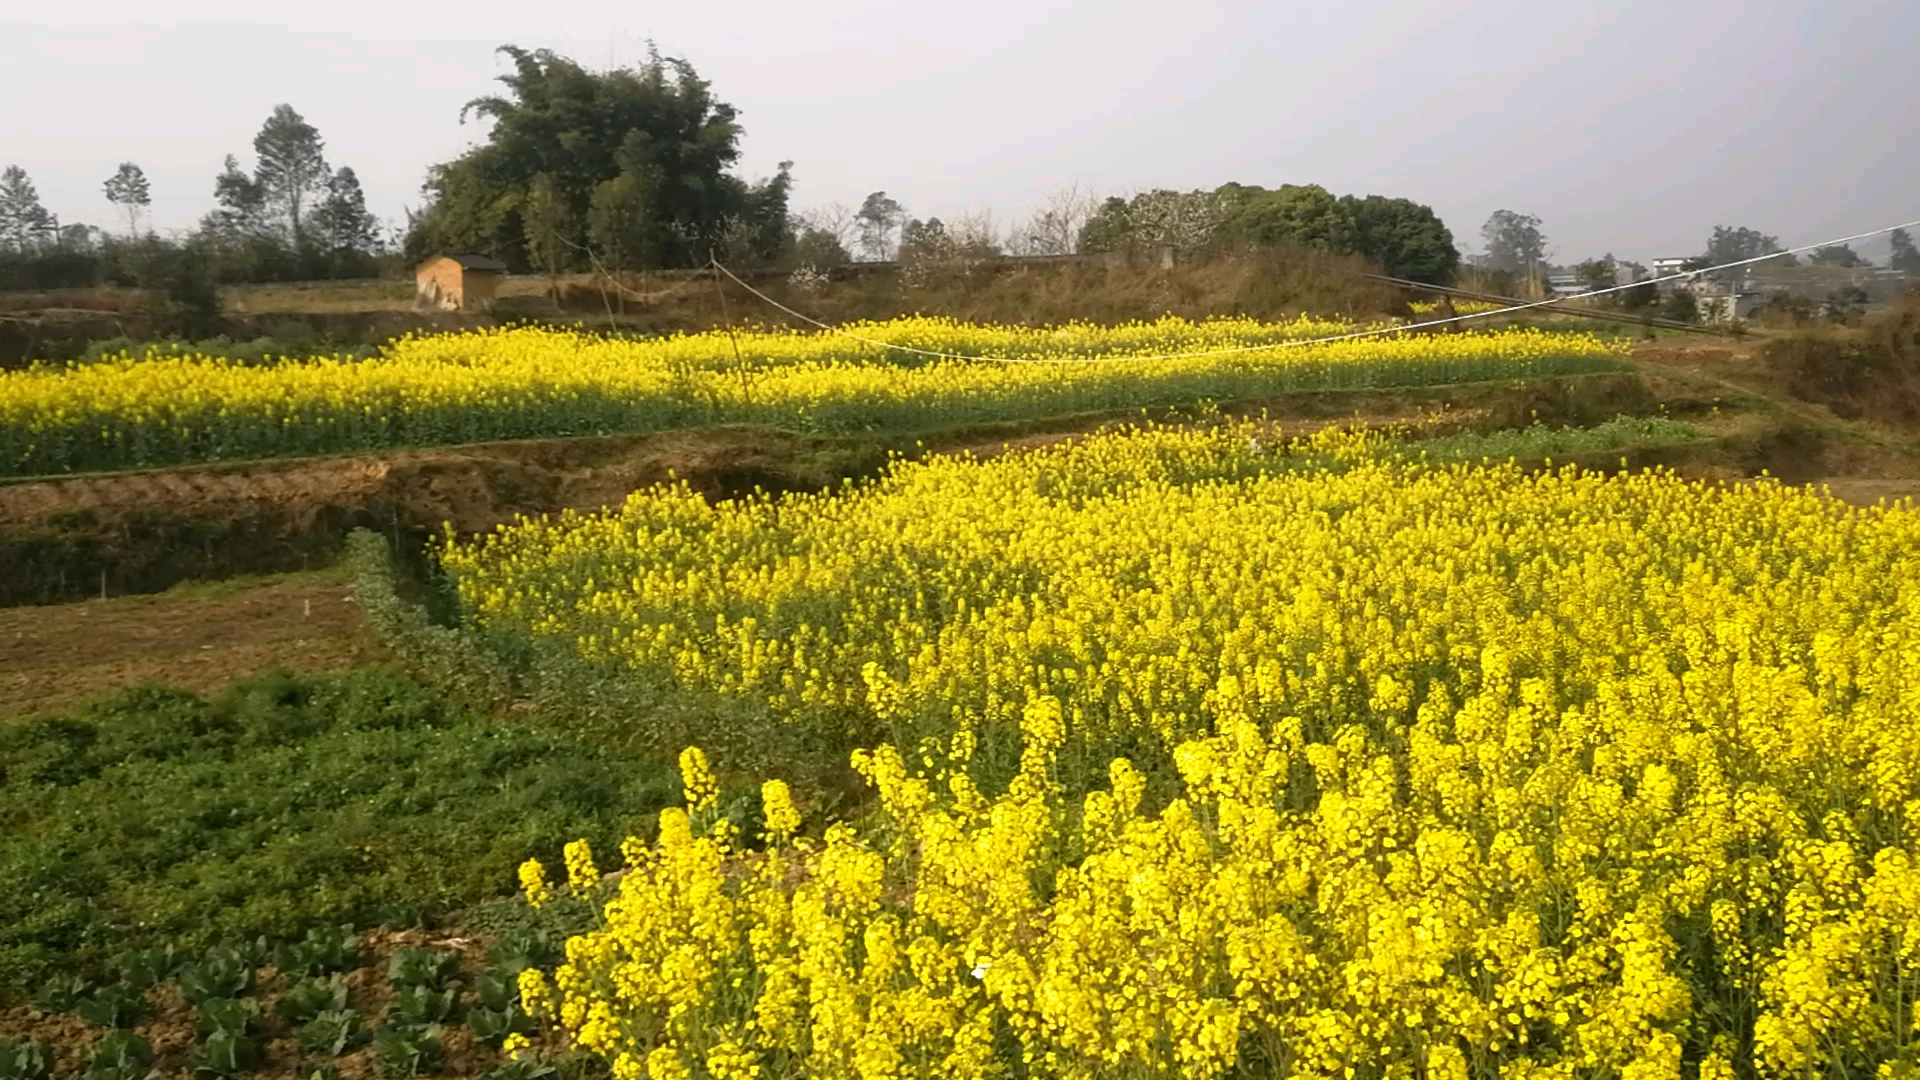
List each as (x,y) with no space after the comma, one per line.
(284,805)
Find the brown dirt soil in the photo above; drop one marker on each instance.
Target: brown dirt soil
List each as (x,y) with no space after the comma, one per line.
(198,638)
(169,1022)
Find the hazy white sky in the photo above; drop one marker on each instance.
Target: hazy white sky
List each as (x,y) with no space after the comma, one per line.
(1629,126)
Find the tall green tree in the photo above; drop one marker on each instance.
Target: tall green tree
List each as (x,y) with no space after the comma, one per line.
(241,205)
(1108,228)
(1514,242)
(25,224)
(879,215)
(620,229)
(343,227)
(543,216)
(761,231)
(1729,244)
(128,190)
(1839,255)
(1304,214)
(291,168)
(1903,254)
(1407,239)
(660,121)
(1599,274)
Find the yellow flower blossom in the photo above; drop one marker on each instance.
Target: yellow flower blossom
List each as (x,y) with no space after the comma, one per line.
(533,882)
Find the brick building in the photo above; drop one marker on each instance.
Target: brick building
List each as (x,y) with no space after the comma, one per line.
(457,282)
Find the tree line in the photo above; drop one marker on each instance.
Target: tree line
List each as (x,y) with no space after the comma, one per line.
(1515,244)
(290,217)
(637,168)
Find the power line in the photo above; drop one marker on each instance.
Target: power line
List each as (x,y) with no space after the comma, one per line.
(1242,349)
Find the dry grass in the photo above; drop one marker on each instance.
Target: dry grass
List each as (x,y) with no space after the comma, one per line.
(1868,373)
(1105,289)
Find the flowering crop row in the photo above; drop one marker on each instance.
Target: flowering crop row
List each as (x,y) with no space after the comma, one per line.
(1207,757)
(1460,307)
(539,383)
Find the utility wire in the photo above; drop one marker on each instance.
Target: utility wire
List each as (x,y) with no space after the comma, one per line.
(1242,349)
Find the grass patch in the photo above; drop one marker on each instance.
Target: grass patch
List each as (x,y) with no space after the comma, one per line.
(1538,440)
(284,804)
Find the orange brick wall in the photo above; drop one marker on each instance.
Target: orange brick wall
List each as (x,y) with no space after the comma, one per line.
(438,281)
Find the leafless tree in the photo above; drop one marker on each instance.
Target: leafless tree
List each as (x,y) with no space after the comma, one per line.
(834,219)
(1055,227)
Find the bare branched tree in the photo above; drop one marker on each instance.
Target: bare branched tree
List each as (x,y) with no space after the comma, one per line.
(834,219)
(1055,227)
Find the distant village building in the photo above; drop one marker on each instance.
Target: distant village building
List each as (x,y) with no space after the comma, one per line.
(1567,284)
(457,282)
(1670,266)
(1626,273)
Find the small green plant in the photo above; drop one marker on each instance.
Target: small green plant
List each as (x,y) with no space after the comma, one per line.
(330,1032)
(401,916)
(144,968)
(224,1053)
(492,1026)
(498,1013)
(444,784)
(22,1060)
(255,952)
(497,988)
(325,1070)
(310,997)
(400,1052)
(121,1055)
(526,946)
(61,993)
(421,1005)
(325,950)
(222,973)
(117,1005)
(233,1016)
(422,967)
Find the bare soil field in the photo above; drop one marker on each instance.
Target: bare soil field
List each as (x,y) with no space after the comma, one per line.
(199,637)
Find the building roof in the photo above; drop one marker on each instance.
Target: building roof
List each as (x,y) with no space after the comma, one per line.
(470,261)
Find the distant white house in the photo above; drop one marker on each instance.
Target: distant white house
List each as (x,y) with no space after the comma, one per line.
(1567,284)
(1670,265)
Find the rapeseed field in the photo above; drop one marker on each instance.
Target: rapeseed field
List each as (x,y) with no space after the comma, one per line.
(527,383)
(1202,753)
